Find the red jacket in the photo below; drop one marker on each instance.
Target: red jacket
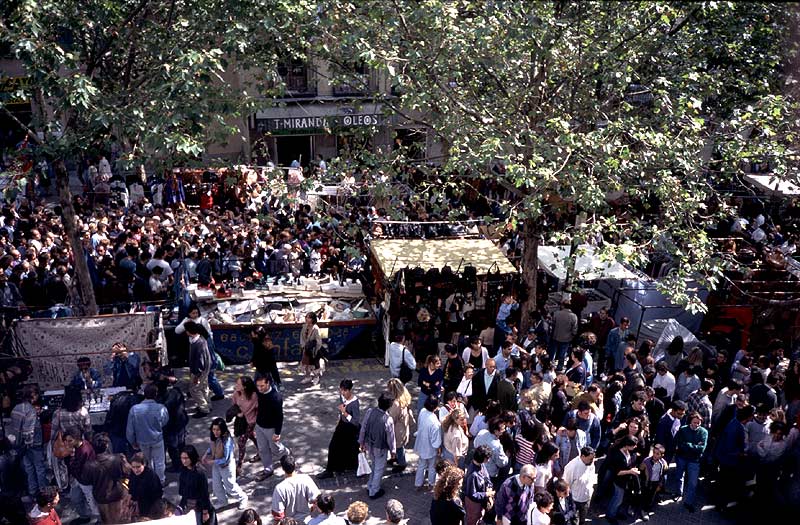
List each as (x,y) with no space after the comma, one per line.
(37,517)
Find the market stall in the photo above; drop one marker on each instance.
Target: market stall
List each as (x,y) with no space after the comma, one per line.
(588,270)
(345,317)
(53,346)
(773,185)
(438,289)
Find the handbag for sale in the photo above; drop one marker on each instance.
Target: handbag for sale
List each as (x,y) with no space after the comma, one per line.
(60,448)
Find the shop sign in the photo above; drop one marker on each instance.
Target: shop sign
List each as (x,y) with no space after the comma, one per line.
(288,125)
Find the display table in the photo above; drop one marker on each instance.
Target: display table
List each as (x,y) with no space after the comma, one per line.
(96,401)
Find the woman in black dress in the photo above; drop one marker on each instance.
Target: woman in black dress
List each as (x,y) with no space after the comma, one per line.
(193,488)
(446,508)
(343,448)
(145,487)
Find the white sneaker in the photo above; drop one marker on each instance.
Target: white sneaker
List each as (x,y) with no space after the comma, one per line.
(243,503)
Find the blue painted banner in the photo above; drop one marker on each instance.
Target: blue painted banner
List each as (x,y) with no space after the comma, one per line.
(232,342)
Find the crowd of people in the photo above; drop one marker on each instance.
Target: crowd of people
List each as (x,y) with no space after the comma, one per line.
(509,439)
(549,426)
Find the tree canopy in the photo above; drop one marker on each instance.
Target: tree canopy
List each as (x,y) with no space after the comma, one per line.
(623,118)
(163,77)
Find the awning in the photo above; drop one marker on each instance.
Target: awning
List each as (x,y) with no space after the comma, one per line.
(395,254)
(772,185)
(588,266)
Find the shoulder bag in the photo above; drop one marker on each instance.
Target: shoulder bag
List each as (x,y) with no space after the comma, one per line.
(60,448)
(406,373)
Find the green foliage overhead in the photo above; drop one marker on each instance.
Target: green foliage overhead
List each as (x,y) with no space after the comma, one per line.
(164,77)
(653,103)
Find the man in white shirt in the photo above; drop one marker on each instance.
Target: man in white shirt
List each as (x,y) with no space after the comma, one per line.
(398,353)
(664,379)
(158,260)
(294,496)
(581,477)
(726,397)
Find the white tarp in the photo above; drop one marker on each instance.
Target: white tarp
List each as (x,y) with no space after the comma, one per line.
(588,266)
(54,345)
(395,254)
(663,331)
(773,185)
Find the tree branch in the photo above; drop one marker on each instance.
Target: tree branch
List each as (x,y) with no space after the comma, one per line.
(28,131)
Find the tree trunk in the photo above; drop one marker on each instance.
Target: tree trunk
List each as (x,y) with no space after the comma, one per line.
(530,270)
(84,286)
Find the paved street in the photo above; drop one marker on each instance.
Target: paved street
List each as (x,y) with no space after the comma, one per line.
(310,419)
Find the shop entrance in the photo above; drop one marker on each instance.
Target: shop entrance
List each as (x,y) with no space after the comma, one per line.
(291,148)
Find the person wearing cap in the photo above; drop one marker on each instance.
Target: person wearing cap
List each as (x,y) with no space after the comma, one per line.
(529,343)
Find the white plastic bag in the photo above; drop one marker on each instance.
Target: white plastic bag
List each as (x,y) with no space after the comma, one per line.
(363,465)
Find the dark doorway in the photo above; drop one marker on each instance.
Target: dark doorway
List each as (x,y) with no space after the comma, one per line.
(293,148)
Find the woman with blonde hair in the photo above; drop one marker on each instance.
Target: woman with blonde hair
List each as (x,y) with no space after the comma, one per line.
(455,437)
(403,419)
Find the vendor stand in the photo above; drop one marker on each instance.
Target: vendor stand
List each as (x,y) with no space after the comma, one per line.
(439,289)
(345,318)
(587,270)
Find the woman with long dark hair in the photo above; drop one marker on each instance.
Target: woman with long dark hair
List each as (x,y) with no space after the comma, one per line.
(144,487)
(246,398)
(223,470)
(193,488)
(72,413)
(545,459)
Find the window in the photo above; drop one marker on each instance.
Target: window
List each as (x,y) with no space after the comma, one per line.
(295,76)
(355,82)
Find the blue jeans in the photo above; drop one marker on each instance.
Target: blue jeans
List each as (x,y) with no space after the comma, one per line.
(421,402)
(35,471)
(213,384)
(558,351)
(401,457)
(615,502)
(378,457)
(692,470)
(82,500)
(154,453)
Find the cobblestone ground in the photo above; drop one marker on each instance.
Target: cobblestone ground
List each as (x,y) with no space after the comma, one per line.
(310,417)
